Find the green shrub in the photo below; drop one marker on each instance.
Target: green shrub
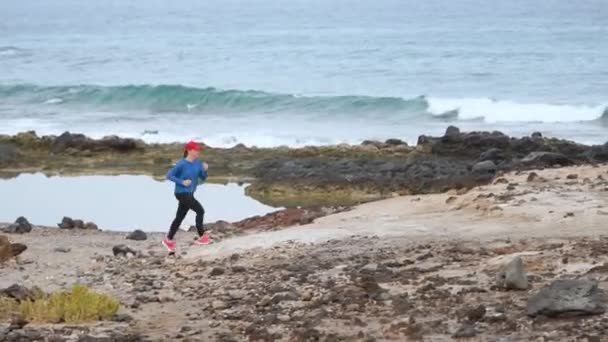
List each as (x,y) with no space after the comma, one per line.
(78,305)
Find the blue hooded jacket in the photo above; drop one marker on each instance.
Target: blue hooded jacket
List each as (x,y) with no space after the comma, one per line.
(185,169)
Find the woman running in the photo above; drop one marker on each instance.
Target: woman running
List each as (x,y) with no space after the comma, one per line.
(186,174)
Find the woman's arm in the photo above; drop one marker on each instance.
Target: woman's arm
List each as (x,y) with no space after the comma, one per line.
(172,174)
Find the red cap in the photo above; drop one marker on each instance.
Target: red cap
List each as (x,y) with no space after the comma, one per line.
(192,146)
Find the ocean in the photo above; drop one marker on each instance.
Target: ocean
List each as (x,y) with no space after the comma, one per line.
(303,72)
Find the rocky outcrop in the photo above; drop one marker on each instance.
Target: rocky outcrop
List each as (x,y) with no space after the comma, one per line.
(319,175)
(21,226)
(567,298)
(137,235)
(10,250)
(67,142)
(69,223)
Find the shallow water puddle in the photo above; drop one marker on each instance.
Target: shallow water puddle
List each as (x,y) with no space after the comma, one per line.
(117,202)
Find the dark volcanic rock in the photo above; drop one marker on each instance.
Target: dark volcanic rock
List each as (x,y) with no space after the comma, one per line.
(485,167)
(66,223)
(122,251)
(17,292)
(545,159)
(79,142)
(137,235)
(90,226)
(79,224)
(21,226)
(566,298)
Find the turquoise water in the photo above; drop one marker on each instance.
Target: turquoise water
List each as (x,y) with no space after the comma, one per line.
(301,72)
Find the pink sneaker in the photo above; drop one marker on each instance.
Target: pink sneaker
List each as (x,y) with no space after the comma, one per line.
(169,244)
(204,240)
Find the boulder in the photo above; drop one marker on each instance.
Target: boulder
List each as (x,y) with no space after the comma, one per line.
(69,140)
(21,226)
(118,144)
(513,276)
(485,167)
(123,251)
(17,292)
(494,154)
(546,159)
(395,142)
(567,298)
(137,235)
(79,224)
(66,223)
(90,226)
(537,135)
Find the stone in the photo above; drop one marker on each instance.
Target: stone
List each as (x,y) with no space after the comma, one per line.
(465,331)
(78,224)
(532,176)
(513,276)
(572,176)
(137,235)
(66,223)
(21,226)
(476,314)
(123,251)
(62,250)
(567,298)
(395,142)
(485,167)
(219,304)
(283,297)
(546,159)
(17,292)
(494,154)
(537,135)
(91,226)
(217,271)
(238,269)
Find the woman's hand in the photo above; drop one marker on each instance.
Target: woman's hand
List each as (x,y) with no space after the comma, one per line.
(187,182)
(205,166)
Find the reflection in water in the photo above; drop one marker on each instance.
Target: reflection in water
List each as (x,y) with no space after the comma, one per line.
(117,202)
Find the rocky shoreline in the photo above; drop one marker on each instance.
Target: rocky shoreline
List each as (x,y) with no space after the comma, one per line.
(520,259)
(310,176)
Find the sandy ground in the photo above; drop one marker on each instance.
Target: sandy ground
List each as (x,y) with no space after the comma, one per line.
(406,268)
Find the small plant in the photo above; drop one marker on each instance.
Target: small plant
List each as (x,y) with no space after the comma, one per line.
(78,305)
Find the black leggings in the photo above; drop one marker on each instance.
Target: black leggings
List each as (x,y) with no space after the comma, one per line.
(187,202)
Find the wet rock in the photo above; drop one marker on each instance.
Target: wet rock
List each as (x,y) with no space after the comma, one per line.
(485,167)
(513,276)
(546,159)
(567,298)
(8,155)
(78,142)
(66,223)
(21,226)
(17,292)
(9,250)
(465,331)
(137,235)
(123,251)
